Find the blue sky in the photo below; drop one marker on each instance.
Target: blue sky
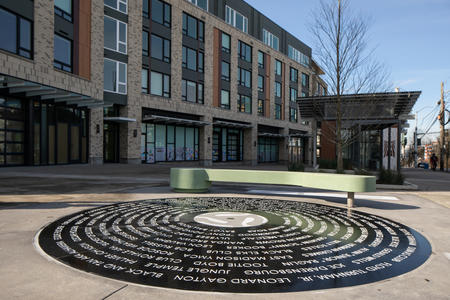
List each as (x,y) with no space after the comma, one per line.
(412,37)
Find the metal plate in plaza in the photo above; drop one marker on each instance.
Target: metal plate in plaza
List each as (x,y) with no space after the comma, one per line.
(234,244)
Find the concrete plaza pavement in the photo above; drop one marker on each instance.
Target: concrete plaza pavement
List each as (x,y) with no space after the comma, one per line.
(31,198)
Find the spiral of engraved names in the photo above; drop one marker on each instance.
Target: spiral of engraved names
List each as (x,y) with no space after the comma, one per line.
(236,245)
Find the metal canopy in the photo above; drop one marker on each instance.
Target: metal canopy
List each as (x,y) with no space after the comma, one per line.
(46,93)
(231,124)
(359,106)
(274,135)
(175,121)
(119,119)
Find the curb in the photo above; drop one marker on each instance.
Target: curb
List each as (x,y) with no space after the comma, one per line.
(407,186)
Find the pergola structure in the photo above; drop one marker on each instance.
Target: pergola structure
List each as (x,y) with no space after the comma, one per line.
(361,112)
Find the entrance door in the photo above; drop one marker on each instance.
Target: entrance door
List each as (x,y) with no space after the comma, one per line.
(110,142)
(217,146)
(232,147)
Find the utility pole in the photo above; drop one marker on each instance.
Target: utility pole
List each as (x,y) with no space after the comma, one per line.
(442,121)
(415,142)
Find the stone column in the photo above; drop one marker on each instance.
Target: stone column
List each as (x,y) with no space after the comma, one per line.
(205,142)
(251,145)
(96,136)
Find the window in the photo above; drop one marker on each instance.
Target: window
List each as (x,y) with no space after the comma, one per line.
(298,56)
(226,43)
(244,78)
(144,81)
(278,67)
(115,76)
(145,43)
(261,107)
(16,34)
(63,8)
(244,51)
(225,99)
(192,91)
(261,59)
(236,19)
(277,89)
(160,48)
(270,39)
(244,104)
(62,52)
(293,93)
(193,60)
(193,27)
(294,74)
(305,80)
(293,114)
(260,83)
(278,111)
(225,71)
(115,35)
(200,3)
(120,5)
(159,84)
(161,12)
(145,10)
(304,94)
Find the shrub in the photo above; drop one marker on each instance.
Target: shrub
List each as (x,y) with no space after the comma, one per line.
(332,164)
(390,177)
(298,167)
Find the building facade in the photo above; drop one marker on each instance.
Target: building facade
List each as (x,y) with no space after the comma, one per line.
(151,81)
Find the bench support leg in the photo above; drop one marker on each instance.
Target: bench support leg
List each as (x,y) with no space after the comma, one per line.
(350,199)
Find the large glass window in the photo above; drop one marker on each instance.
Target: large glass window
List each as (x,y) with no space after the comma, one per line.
(115,76)
(293,94)
(270,39)
(16,34)
(161,12)
(159,84)
(260,83)
(293,74)
(278,67)
(225,71)
(193,27)
(115,35)
(277,89)
(261,59)
(268,149)
(169,143)
(63,8)
(160,48)
(120,5)
(236,19)
(305,80)
(277,111)
(244,77)
(193,59)
(228,144)
(145,43)
(244,51)
(200,3)
(192,91)
(298,56)
(62,53)
(293,114)
(261,107)
(12,132)
(226,42)
(225,99)
(145,9)
(244,104)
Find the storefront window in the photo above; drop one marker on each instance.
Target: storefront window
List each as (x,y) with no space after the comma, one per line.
(227,144)
(267,149)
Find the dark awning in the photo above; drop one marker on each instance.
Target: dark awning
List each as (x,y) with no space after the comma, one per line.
(16,86)
(273,135)
(373,106)
(231,124)
(173,121)
(119,119)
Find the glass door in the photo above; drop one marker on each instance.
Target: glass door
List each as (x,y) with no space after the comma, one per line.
(110,142)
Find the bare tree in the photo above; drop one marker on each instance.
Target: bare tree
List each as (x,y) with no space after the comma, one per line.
(342,52)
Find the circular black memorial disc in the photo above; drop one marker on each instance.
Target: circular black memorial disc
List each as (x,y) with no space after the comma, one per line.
(234,244)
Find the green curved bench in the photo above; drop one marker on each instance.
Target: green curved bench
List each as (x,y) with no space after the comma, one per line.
(185,180)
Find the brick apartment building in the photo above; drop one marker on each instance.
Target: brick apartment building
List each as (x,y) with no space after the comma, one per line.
(150,81)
